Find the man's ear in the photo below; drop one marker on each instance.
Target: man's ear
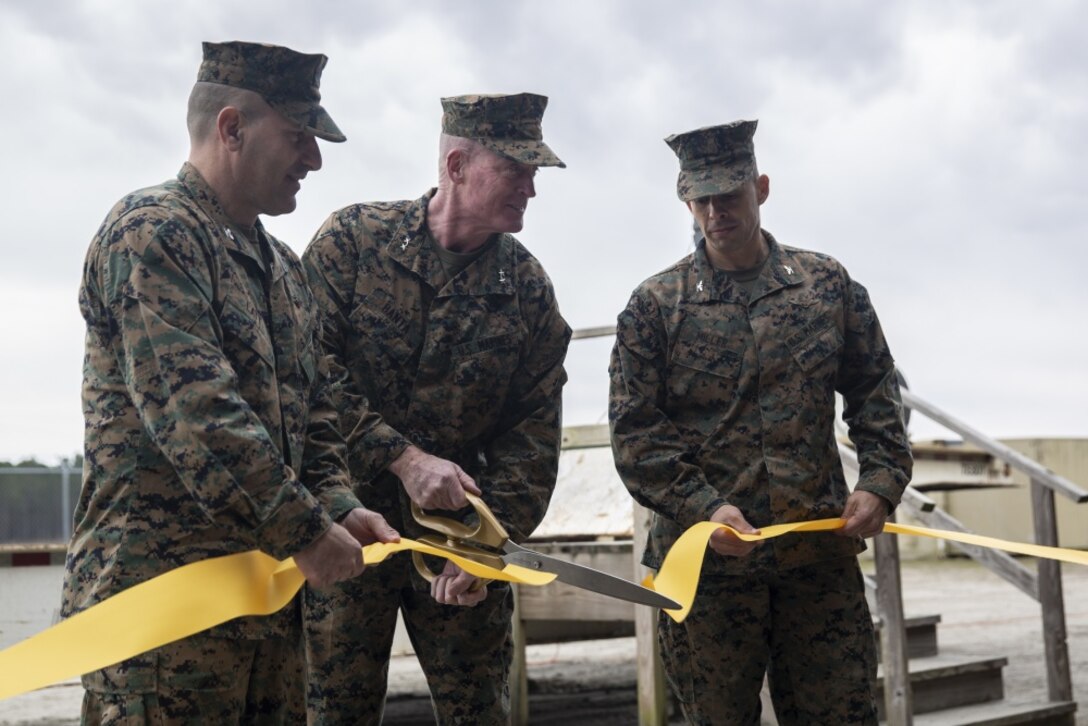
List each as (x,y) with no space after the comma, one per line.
(456,161)
(763,188)
(229,125)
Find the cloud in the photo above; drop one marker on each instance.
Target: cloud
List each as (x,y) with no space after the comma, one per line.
(937,150)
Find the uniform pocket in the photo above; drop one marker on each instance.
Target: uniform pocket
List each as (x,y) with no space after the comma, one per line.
(137,675)
(705,367)
(480,371)
(488,344)
(381,329)
(817,349)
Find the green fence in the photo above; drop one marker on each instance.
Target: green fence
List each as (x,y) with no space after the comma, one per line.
(36,503)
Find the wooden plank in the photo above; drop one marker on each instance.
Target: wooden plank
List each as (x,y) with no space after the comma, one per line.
(565,631)
(1058,679)
(598,332)
(584,437)
(897,696)
(652,699)
(559,601)
(946,682)
(940,667)
(49,547)
(921,634)
(519,673)
(1003,713)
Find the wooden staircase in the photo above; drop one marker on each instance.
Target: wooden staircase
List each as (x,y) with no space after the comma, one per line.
(956,690)
(913,692)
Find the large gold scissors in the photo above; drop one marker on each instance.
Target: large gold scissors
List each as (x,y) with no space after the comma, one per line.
(488,543)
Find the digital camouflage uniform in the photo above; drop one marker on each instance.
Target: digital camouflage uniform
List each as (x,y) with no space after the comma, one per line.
(208,431)
(469,370)
(720,397)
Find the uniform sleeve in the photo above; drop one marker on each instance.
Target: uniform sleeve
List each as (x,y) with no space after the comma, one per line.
(158,286)
(650,454)
(873,407)
(324,470)
(331,264)
(523,453)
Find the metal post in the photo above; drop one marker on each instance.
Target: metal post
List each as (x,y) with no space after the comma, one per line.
(65,500)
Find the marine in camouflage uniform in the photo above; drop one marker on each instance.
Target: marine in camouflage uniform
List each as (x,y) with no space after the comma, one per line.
(208,424)
(722,407)
(455,350)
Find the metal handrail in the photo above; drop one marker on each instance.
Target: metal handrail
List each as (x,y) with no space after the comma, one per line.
(598,332)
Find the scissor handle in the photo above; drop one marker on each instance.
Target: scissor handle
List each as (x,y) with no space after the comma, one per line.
(428,574)
(488,532)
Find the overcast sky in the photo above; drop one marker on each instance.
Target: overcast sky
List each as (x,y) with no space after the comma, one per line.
(937,149)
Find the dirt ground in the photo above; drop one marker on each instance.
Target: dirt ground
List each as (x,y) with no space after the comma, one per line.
(593,682)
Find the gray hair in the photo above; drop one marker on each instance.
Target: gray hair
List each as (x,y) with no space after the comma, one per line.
(448,143)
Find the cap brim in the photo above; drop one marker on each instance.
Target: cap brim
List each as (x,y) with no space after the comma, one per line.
(312,118)
(534,153)
(719,179)
(329,132)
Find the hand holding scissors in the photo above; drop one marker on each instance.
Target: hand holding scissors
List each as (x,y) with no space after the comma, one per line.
(488,543)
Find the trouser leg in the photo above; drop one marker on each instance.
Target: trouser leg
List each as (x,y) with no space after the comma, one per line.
(277,692)
(348,630)
(465,654)
(823,652)
(715,660)
(201,680)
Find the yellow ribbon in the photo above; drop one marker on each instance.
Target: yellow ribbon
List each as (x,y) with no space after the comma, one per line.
(183,602)
(678,577)
(196,597)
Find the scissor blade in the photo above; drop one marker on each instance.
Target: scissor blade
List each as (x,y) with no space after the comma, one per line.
(588,579)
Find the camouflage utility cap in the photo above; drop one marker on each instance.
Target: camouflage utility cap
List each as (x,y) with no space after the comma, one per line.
(715,159)
(287,80)
(508,125)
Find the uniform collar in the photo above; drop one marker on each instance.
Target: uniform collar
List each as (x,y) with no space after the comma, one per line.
(203,194)
(781,270)
(234,238)
(491,273)
(710,284)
